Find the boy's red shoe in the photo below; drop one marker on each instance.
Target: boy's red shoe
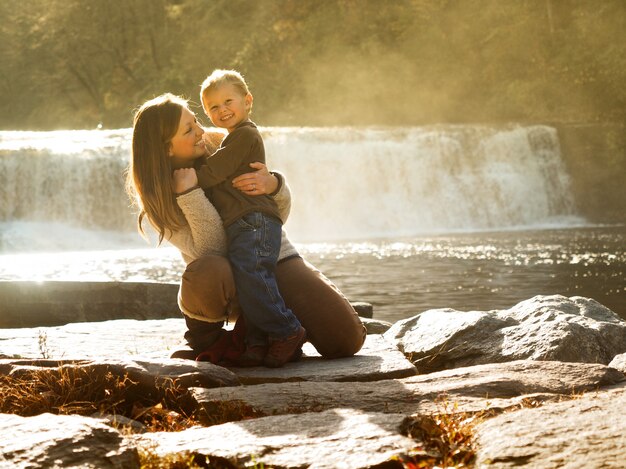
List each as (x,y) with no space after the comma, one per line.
(282,351)
(253,356)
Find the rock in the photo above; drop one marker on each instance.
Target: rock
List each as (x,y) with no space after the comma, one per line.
(376,360)
(154,340)
(100,340)
(363,309)
(619,362)
(338,438)
(347,412)
(150,375)
(53,303)
(542,328)
(376,326)
(48,440)
(493,386)
(586,432)
(119,421)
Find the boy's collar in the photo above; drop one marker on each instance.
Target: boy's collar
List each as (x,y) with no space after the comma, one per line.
(245,123)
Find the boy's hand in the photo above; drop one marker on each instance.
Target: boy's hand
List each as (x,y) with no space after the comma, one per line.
(184,179)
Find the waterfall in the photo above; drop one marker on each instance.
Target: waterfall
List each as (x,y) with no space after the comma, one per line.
(359,183)
(346,183)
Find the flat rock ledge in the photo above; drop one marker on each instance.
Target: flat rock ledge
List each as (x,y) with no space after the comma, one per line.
(589,431)
(348,413)
(377,360)
(337,438)
(495,386)
(148,374)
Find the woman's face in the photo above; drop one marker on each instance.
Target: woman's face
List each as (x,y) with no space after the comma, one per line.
(187,144)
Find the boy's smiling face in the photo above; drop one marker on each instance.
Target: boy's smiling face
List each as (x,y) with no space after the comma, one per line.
(227,106)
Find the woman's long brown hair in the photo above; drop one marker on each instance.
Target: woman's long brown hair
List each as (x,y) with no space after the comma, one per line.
(149,175)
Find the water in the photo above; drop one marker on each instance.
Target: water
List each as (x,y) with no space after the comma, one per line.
(467,217)
(404,276)
(347,183)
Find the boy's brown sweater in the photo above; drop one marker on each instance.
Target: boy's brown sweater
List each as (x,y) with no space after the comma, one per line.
(241,147)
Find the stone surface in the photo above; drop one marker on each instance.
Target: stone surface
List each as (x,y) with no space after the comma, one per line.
(334,439)
(347,412)
(363,309)
(67,441)
(542,328)
(154,340)
(493,386)
(55,303)
(586,432)
(103,340)
(376,360)
(149,374)
(619,362)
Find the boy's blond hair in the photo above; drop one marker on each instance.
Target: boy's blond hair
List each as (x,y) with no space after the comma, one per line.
(222,77)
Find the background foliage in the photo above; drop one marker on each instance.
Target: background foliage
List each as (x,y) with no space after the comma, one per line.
(78,63)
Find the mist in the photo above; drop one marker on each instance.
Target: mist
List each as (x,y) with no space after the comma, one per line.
(67,64)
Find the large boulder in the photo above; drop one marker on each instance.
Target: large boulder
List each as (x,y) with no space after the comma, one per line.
(557,328)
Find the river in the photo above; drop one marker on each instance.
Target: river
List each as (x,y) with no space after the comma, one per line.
(466,217)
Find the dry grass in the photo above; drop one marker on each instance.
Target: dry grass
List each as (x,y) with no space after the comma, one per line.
(445,439)
(76,390)
(150,459)
(218,412)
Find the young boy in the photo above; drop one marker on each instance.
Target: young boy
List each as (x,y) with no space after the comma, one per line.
(252,223)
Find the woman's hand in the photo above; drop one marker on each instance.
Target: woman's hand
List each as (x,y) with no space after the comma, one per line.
(184,179)
(258,182)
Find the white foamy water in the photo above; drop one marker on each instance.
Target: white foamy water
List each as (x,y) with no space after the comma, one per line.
(363,183)
(64,190)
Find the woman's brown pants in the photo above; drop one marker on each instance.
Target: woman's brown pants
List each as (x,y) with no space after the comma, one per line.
(207,291)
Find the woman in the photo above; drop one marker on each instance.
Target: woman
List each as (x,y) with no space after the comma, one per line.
(167,142)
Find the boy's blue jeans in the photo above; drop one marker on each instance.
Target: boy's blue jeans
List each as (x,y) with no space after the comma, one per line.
(253,247)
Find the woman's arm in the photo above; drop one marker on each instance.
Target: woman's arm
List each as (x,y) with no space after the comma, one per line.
(282,197)
(204,233)
(262,182)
